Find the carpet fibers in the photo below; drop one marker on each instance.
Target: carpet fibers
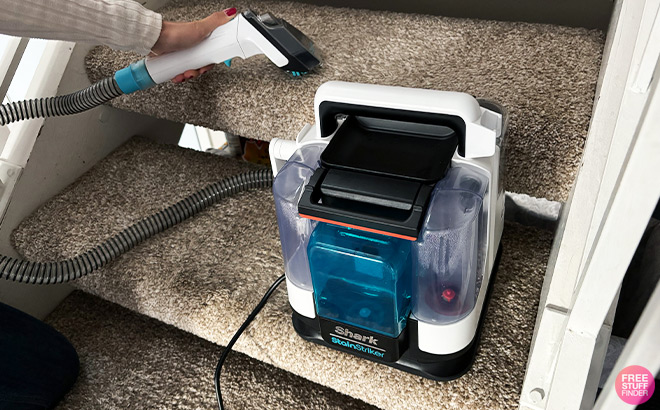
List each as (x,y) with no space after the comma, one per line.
(545,75)
(129,361)
(206,274)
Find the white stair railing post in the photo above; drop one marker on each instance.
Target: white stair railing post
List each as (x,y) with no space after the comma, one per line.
(566,356)
(641,350)
(17,144)
(10,57)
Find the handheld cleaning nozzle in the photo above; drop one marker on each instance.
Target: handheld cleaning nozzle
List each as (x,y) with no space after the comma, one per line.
(244,36)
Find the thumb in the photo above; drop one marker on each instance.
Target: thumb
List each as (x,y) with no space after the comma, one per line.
(215,20)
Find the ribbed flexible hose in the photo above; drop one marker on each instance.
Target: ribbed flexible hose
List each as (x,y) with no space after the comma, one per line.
(63,271)
(74,103)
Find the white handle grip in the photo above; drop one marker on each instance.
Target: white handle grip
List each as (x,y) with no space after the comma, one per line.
(220,46)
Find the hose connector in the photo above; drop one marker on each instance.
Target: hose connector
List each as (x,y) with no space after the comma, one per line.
(133,78)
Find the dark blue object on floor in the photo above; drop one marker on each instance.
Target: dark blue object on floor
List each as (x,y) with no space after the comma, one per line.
(38,364)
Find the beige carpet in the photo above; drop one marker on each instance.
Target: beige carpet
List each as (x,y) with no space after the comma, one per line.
(205,275)
(129,361)
(546,76)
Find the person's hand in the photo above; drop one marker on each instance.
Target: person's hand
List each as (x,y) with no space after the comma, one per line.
(179,36)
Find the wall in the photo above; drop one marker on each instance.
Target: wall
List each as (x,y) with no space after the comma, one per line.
(580,13)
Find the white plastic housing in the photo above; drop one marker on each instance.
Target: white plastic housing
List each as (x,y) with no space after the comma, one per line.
(301,300)
(237,38)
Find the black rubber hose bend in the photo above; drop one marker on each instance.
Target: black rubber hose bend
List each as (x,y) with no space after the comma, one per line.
(74,103)
(66,270)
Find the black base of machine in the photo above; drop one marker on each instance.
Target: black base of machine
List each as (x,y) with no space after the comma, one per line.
(403,352)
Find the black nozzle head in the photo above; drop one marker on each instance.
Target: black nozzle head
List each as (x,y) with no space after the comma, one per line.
(291,42)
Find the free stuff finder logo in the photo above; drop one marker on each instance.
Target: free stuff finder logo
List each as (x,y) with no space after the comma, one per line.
(635,385)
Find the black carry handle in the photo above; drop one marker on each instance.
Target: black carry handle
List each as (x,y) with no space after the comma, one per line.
(329,110)
(369,189)
(382,204)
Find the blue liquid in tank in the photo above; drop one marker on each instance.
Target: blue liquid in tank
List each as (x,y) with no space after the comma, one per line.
(361,278)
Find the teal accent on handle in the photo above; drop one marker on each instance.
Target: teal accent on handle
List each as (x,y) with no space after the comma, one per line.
(133,78)
(228,63)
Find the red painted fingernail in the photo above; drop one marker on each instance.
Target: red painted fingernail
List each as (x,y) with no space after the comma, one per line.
(230,12)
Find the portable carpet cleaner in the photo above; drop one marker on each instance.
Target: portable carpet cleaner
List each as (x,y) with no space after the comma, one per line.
(390,211)
(390,208)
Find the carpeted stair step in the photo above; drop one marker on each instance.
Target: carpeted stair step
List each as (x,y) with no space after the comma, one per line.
(129,361)
(205,275)
(544,74)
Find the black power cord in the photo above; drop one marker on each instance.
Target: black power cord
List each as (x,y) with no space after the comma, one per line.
(238,333)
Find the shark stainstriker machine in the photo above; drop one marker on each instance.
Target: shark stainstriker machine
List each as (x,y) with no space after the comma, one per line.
(390,211)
